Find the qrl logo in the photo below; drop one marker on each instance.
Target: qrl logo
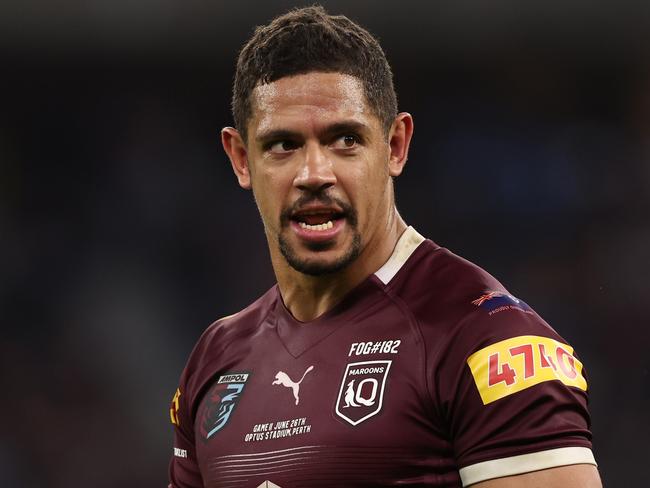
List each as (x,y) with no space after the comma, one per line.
(361,394)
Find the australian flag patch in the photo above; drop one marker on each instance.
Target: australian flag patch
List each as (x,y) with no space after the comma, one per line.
(499,301)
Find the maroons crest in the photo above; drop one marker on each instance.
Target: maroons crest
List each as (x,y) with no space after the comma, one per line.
(361,394)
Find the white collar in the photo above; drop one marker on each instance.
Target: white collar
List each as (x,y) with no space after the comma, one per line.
(406,245)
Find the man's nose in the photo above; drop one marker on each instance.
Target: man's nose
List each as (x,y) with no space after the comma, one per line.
(316,170)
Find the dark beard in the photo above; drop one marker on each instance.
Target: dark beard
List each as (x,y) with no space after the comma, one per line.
(314,267)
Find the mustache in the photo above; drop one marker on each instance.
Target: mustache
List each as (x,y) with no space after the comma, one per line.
(348,211)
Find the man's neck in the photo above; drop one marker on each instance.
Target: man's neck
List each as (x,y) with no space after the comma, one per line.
(307,297)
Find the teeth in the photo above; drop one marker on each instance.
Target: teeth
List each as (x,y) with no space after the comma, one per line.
(325,226)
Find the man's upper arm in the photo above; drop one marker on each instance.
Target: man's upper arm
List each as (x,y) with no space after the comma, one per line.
(514,396)
(183,467)
(574,476)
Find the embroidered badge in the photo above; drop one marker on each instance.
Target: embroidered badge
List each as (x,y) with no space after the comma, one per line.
(219,403)
(361,393)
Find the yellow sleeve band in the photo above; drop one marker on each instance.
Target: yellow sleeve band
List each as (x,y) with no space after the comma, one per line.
(515,364)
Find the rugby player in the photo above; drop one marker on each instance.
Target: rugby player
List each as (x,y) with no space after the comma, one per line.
(379,358)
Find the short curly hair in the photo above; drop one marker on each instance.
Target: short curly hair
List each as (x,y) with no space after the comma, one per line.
(308,40)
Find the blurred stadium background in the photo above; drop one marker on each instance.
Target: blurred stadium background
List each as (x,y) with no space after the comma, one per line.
(123,233)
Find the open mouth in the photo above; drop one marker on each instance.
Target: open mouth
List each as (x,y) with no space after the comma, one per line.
(317,220)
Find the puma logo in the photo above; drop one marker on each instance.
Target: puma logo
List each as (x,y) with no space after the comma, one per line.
(282,378)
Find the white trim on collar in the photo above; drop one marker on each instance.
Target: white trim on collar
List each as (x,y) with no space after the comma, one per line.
(406,245)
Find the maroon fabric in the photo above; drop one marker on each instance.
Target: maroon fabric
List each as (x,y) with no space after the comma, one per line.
(409,415)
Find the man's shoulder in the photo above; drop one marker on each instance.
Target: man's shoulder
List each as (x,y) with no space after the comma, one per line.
(221,341)
(436,281)
(454,300)
(228,328)
(216,340)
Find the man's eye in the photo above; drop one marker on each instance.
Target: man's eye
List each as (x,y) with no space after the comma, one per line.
(347,141)
(283,147)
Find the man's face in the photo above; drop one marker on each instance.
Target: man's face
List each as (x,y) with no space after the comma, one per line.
(318,160)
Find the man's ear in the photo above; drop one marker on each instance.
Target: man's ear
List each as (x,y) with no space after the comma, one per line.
(399,139)
(235,148)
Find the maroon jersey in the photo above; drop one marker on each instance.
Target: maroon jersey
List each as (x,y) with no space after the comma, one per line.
(428,374)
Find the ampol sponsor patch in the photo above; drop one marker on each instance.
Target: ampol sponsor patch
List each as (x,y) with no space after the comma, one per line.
(219,403)
(361,394)
(498,301)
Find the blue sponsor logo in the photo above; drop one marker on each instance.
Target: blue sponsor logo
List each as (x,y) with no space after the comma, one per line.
(220,402)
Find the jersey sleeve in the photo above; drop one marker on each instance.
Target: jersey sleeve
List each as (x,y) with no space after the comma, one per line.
(512,392)
(183,467)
